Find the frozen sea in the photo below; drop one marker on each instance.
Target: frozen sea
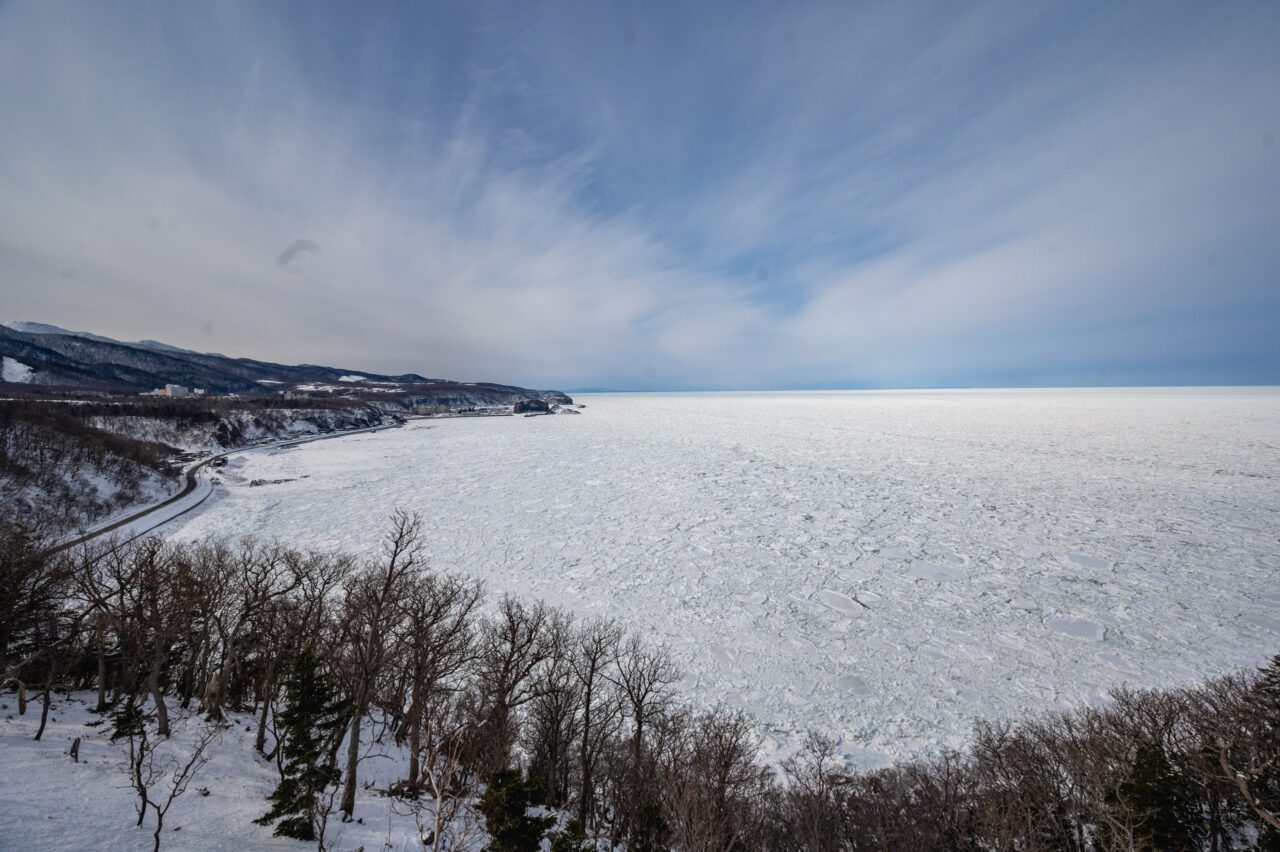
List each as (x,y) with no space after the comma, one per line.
(884,566)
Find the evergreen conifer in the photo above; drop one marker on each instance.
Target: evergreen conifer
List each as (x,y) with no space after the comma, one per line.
(310,723)
(505,806)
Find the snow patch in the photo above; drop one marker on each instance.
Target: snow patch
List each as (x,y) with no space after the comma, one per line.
(16,371)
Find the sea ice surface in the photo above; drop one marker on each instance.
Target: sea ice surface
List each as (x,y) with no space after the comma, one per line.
(884,566)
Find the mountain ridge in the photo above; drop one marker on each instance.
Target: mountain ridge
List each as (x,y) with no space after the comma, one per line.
(77,360)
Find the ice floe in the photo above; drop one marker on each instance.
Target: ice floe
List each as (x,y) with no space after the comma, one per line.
(887,565)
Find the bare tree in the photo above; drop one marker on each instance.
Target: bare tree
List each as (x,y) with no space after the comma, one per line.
(438,612)
(34,586)
(512,645)
(554,716)
(711,783)
(241,584)
(292,622)
(157,577)
(595,649)
(370,629)
(179,774)
(645,676)
(443,815)
(813,801)
(1244,716)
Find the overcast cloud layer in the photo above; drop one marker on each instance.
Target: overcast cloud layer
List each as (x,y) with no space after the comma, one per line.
(642,195)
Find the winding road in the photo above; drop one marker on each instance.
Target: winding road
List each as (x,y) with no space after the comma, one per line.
(195,491)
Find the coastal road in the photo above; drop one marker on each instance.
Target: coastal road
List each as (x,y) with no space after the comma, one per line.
(195,490)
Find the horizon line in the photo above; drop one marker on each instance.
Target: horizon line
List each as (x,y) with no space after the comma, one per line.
(1171,386)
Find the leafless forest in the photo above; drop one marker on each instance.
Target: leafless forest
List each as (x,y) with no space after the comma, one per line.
(507,704)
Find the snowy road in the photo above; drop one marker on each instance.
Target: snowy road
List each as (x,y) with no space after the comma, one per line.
(197,487)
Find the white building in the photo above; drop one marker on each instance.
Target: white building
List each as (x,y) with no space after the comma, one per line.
(176,392)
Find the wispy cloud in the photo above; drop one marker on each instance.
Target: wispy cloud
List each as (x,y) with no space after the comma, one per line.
(712,197)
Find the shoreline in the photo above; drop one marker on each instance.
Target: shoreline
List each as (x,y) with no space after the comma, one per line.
(195,491)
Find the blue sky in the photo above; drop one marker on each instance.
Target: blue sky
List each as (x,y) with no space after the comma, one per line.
(714,195)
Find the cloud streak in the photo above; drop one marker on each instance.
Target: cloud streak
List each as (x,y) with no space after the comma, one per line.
(560,196)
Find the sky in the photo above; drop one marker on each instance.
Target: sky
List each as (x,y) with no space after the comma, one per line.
(730,195)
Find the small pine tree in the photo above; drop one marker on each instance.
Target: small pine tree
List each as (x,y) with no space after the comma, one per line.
(505,806)
(648,831)
(1159,795)
(127,721)
(571,838)
(312,719)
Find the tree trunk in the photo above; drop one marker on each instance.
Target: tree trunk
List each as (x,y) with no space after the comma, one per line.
(138,784)
(415,745)
(268,689)
(1242,783)
(260,741)
(224,676)
(584,762)
(101,636)
(348,805)
(44,711)
(153,685)
(187,683)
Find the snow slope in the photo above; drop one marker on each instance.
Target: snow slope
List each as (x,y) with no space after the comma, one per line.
(883,566)
(69,479)
(241,426)
(47,802)
(15,371)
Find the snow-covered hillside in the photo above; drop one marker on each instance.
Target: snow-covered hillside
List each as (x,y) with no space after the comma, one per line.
(74,477)
(240,427)
(79,470)
(13,370)
(75,359)
(49,802)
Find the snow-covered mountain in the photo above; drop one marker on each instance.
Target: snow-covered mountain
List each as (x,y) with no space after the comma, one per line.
(42,354)
(45,328)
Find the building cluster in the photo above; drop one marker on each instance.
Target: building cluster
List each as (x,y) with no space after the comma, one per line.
(176,392)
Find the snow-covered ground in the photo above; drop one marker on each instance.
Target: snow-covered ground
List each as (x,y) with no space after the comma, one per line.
(47,802)
(883,566)
(14,371)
